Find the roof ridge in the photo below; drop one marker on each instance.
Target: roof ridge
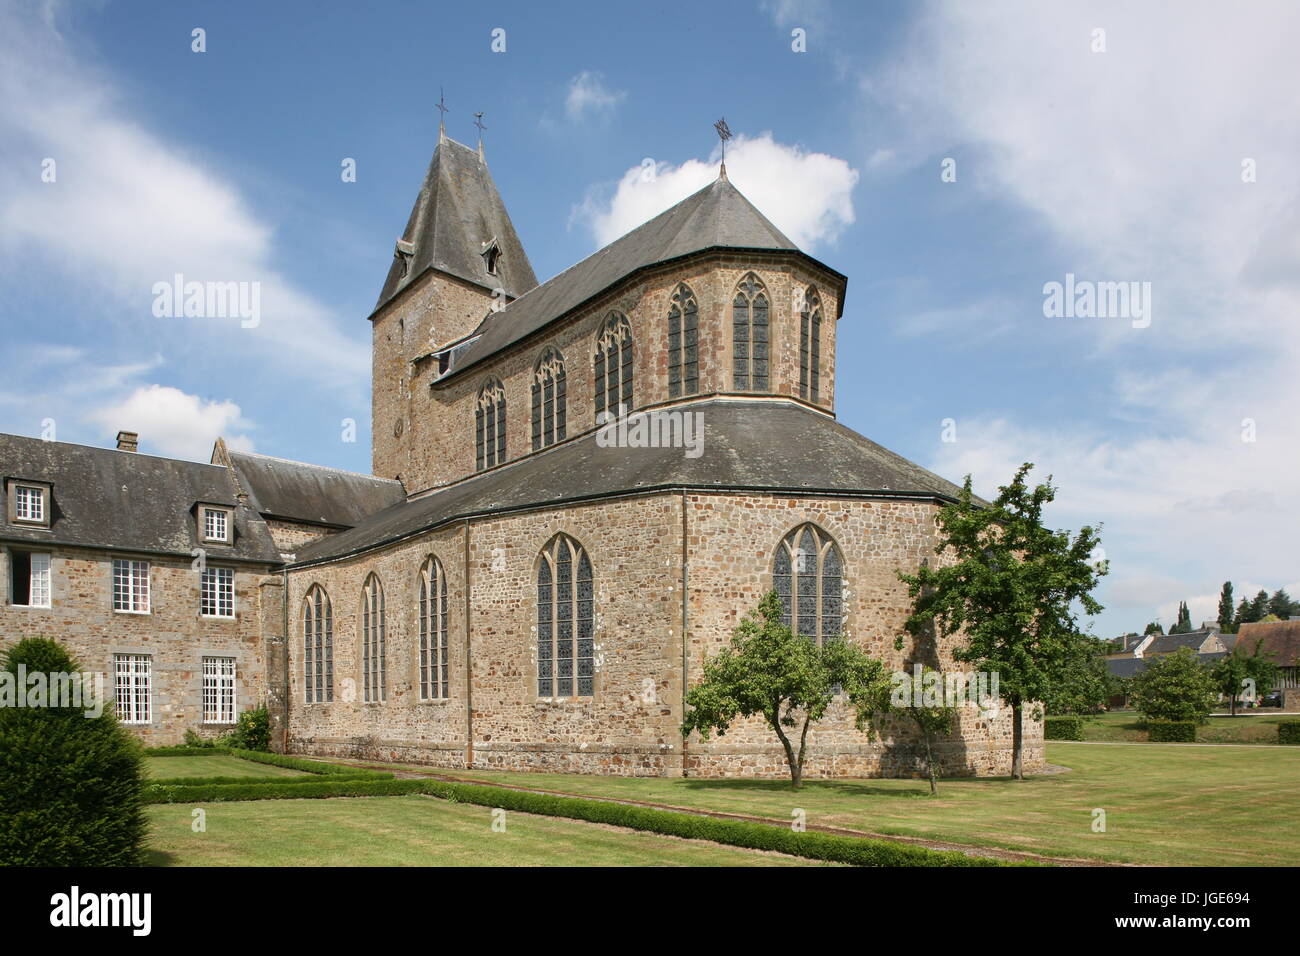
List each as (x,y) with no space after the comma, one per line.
(136,454)
(309,464)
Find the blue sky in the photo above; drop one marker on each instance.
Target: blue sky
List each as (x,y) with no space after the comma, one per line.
(1119,163)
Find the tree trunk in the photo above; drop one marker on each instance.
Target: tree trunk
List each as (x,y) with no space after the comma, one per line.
(1017,742)
(1232,706)
(796,764)
(929,765)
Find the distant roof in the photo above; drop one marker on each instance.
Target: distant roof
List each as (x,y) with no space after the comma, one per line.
(716,217)
(1281,640)
(1168,643)
(296,491)
(456,215)
(1128,666)
(126,501)
(753,445)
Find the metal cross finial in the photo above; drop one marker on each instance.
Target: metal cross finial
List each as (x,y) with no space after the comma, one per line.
(724,134)
(442,108)
(478,121)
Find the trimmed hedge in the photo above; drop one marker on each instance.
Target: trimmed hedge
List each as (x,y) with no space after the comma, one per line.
(224,781)
(858,851)
(308,766)
(1288,732)
(1171,731)
(213,751)
(1063,728)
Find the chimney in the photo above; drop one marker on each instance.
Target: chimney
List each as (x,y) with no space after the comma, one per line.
(127,441)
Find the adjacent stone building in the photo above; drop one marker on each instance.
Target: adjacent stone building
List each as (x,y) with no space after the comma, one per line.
(579,489)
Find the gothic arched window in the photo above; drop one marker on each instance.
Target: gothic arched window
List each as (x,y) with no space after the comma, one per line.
(318,646)
(749,335)
(433,631)
(613,366)
(565,621)
(490,425)
(548,400)
(374,663)
(810,345)
(683,347)
(808,576)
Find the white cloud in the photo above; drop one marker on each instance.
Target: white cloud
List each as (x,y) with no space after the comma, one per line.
(807,195)
(588,95)
(175,424)
(130,208)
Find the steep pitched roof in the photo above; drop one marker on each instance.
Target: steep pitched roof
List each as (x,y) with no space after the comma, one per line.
(126,501)
(456,215)
(716,217)
(1281,640)
(747,445)
(297,491)
(1168,643)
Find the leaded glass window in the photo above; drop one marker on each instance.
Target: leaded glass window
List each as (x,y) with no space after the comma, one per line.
(374,664)
(749,335)
(566,660)
(683,343)
(613,367)
(318,646)
(490,425)
(549,394)
(808,577)
(433,631)
(810,346)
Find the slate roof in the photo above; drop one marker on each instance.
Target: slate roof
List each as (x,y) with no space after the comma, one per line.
(1128,666)
(126,501)
(457,212)
(296,491)
(1281,640)
(716,217)
(1168,643)
(748,445)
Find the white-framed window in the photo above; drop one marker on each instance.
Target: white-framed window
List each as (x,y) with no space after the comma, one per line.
(131,586)
(29,503)
(218,690)
(29,579)
(133,682)
(216,524)
(217,592)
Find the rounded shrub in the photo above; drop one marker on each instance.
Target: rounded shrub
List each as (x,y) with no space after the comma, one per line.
(1288,732)
(1063,728)
(70,784)
(1171,731)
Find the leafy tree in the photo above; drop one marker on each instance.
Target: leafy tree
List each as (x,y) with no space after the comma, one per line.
(1009,591)
(1154,627)
(1225,608)
(1083,684)
(1176,686)
(1258,606)
(1233,671)
(70,783)
(1240,617)
(787,678)
(1281,604)
(1184,622)
(930,714)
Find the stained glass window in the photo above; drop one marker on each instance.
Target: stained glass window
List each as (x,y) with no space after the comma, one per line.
(808,577)
(613,367)
(810,346)
(318,646)
(683,343)
(549,400)
(490,425)
(566,659)
(374,663)
(749,335)
(433,631)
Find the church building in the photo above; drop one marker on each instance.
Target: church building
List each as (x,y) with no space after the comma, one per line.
(579,488)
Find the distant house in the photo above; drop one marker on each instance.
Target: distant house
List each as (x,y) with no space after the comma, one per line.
(1207,642)
(1280,641)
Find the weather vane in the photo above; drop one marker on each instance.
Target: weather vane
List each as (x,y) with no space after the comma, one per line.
(478,121)
(724,134)
(442,108)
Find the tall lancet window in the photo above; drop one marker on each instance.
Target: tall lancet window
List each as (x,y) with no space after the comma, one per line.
(565,621)
(613,366)
(490,425)
(433,631)
(749,335)
(808,577)
(548,400)
(810,346)
(683,343)
(374,634)
(318,646)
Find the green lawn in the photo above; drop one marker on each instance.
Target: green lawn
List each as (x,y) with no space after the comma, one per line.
(1164,803)
(413,831)
(1127,725)
(221,765)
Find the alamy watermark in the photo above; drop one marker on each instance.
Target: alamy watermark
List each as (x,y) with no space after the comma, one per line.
(209,300)
(655,428)
(930,688)
(58,689)
(1084,299)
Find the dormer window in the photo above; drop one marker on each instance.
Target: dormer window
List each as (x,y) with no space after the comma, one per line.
(215,524)
(491,256)
(29,504)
